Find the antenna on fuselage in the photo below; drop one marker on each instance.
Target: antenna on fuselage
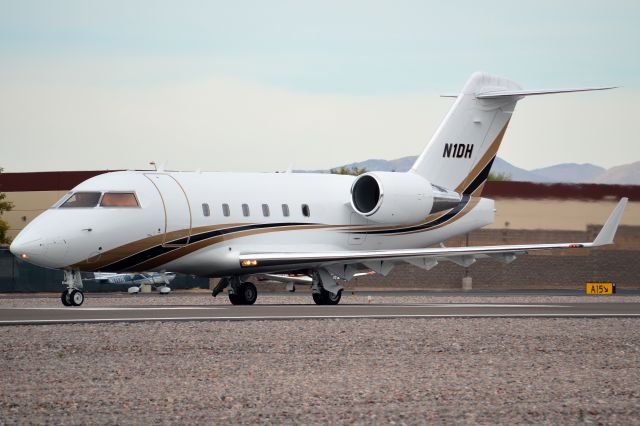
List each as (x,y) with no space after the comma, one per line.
(159,168)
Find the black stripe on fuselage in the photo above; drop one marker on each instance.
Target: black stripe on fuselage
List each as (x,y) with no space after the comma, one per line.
(480,179)
(129,262)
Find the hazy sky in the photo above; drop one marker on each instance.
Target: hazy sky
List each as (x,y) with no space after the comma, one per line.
(261,85)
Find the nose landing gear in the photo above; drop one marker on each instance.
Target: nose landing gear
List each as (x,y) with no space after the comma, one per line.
(72,298)
(72,295)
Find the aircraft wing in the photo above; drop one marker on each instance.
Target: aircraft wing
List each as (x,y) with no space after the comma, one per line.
(382,261)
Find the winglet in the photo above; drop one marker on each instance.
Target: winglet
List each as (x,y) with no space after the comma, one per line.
(608,231)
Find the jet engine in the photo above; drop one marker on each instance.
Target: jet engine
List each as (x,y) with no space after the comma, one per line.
(399,198)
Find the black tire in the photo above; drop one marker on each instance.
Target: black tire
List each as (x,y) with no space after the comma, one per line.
(234,299)
(65,299)
(318,298)
(332,299)
(76,297)
(326,297)
(248,293)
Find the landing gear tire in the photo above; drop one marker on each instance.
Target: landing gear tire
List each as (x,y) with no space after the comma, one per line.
(234,299)
(65,298)
(76,297)
(326,297)
(246,294)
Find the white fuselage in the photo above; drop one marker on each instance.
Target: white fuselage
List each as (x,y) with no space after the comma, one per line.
(171,231)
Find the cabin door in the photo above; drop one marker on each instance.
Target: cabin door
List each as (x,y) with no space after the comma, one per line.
(177,211)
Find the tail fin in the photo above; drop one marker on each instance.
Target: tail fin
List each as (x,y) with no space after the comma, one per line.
(461,152)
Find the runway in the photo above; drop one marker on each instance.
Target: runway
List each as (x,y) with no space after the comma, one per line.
(129,313)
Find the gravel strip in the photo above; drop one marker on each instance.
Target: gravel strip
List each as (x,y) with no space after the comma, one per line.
(395,371)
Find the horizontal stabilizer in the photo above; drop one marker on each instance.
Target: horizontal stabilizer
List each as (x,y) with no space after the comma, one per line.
(521,93)
(495,94)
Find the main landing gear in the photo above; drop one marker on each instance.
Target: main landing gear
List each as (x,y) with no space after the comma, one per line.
(324,289)
(72,295)
(324,297)
(240,293)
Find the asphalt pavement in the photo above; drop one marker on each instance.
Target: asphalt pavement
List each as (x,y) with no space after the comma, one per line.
(109,312)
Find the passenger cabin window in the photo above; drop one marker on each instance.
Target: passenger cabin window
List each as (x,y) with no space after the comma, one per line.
(225,210)
(205,209)
(285,210)
(245,210)
(82,199)
(119,199)
(305,210)
(265,210)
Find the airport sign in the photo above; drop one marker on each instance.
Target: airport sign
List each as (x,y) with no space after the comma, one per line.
(600,288)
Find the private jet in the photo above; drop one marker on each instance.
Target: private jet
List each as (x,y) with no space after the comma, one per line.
(328,227)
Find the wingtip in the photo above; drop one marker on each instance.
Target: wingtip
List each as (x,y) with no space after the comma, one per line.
(608,231)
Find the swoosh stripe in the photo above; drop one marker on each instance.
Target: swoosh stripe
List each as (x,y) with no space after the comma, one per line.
(128,262)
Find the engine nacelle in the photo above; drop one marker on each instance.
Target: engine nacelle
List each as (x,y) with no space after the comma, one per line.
(399,198)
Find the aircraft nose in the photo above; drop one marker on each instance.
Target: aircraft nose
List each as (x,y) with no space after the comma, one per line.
(27,248)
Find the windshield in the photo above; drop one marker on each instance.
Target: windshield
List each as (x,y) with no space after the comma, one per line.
(119,199)
(82,199)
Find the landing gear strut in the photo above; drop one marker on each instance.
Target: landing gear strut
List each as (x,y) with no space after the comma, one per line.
(72,295)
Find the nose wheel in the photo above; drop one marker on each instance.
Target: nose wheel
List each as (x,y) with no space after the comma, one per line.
(72,295)
(72,298)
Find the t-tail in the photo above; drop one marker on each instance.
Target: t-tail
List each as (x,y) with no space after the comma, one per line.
(460,154)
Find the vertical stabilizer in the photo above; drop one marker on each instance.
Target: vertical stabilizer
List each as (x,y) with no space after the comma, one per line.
(460,153)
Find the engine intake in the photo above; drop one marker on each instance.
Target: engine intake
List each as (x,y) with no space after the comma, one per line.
(399,198)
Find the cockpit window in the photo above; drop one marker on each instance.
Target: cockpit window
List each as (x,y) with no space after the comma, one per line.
(64,198)
(82,199)
(119,199)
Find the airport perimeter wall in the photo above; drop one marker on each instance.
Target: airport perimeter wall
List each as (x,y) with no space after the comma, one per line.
(19,276)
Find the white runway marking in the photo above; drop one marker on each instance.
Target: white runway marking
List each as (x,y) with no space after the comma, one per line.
(306,317)
(471,305)
(120,308)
